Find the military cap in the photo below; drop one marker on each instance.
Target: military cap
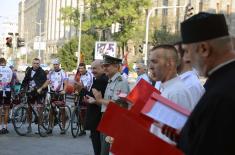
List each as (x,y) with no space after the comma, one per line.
(203,26)
(111,60)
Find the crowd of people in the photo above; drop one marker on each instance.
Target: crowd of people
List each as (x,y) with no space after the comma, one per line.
(206,49)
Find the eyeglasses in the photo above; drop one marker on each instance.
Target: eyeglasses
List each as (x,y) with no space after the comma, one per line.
(35,63)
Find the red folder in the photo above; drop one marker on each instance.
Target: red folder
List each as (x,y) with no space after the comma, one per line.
(110,120)
(156,97)
(179,113)
(140,95)
(131,136)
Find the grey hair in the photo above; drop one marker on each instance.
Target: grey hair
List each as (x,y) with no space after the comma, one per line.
(142,65)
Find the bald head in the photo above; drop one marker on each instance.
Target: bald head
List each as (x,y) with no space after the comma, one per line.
(97,62)
(168,52)
(163,62)
(97,68)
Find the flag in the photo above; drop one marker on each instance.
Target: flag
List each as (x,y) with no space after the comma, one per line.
(125,67)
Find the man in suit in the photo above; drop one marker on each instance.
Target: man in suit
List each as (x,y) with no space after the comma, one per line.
(93,114)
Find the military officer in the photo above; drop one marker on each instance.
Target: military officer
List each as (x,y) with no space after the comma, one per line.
(116,85)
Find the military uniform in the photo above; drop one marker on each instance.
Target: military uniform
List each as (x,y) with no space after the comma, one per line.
(116,85)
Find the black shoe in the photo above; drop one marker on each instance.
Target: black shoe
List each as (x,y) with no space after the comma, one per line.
(5,131)
(82,133)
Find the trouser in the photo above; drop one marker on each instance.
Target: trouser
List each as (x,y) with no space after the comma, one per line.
(96,143)
(104,145)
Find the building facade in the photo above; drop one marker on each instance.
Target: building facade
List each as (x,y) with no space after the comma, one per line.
(42,19)
(173,17)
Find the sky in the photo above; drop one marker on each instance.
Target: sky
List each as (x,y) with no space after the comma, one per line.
(8,10)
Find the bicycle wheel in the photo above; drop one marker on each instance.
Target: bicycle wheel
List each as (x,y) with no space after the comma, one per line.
(75,123)
(44,125)
(19,120)
(67,117)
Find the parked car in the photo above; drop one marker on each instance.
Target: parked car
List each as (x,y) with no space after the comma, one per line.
(45,67)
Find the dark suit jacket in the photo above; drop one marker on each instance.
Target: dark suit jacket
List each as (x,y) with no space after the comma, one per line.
(210,129)
(39,78)
(93,114)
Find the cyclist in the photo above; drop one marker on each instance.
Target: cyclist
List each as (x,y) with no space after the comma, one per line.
(57,80)
(83,86)
(33,81)
(5,94)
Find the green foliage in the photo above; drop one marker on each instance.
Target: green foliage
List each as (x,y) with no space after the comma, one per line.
(164,36)
(87,47)
(102,14)
(67,55)
(70,16)
(126,12)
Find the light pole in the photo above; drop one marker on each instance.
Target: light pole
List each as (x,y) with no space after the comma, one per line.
(79,36)
(40,37)
(147,27)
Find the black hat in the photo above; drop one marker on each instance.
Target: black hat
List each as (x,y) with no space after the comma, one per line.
(111,60)
(203,26)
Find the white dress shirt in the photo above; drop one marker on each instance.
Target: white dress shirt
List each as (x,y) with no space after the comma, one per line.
(145,77)
(194,85)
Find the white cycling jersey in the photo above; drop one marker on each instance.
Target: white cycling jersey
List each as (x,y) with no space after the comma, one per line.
(5,78)
(87,80)
(57,80)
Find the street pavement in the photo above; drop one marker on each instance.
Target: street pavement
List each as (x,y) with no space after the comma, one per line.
(56,144)
(33,144)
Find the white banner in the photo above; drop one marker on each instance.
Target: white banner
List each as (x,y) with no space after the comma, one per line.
(102,47)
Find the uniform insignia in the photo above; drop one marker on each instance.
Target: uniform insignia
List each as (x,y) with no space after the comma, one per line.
(119,78)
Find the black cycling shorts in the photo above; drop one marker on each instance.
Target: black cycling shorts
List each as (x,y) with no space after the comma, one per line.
(35,97)
(5,100)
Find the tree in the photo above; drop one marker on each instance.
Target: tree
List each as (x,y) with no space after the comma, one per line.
(87,47)
(67,53)
(106,13)
(100,15)
(164,36)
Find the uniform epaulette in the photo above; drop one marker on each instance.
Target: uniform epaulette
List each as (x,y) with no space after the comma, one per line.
(119,78)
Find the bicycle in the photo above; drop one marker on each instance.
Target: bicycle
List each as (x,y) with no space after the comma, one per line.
(76,121)
(55,106)
(20,119)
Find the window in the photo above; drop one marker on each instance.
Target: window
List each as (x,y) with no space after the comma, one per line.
(165,11)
